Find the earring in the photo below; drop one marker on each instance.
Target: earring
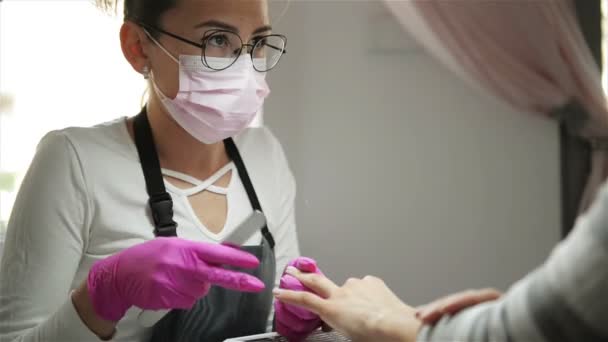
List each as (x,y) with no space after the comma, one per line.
(146,72)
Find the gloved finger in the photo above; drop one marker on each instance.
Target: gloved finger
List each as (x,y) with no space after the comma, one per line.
(224,255)
(186,285)
(304,264)
(231,245)
(307,300)
(292,336)
(307,265)
(187,280)
(300,312)
(289,282)
(316,283)
(198,290)
(232,280)
(167,301)
(294,322)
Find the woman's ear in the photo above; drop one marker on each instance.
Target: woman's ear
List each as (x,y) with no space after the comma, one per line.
(132,40)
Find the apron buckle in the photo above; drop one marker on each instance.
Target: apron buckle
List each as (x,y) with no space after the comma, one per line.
(162,214)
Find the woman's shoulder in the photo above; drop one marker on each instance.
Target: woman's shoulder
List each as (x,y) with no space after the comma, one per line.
(111,136)
(110,130)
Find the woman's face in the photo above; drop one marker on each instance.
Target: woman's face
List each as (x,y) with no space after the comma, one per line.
(191,19)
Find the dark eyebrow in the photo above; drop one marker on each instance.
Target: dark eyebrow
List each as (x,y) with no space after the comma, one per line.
(262,29)
(226,26)
(218,24)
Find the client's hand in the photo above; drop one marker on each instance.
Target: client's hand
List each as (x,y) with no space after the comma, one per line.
(362,309)
(451,304)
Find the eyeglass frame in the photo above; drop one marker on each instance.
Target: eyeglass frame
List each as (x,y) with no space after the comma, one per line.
(210,33)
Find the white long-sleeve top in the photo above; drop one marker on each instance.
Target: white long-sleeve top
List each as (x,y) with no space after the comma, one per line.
(565,299)
(84,198)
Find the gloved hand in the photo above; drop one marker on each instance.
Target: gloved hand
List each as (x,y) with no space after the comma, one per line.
(294,322)
(166,273)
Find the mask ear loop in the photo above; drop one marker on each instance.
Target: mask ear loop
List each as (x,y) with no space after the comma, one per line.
(151,78)
(161,47)
(144,96)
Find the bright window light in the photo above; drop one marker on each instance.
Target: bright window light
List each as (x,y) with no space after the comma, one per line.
(60,65)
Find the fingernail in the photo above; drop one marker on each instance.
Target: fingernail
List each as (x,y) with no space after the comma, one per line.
(292,270)
(277,292)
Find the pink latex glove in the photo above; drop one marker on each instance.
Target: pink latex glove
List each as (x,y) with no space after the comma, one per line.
(294,322)
(166,273)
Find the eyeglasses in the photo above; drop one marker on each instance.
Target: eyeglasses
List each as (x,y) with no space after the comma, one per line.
(220,49)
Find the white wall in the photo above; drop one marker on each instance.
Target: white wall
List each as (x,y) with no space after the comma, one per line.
(403,171)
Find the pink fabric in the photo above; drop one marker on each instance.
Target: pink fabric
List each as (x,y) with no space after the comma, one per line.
(291,321)
(531,54)
(166,273)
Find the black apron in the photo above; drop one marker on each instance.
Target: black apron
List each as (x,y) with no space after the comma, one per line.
(222,314)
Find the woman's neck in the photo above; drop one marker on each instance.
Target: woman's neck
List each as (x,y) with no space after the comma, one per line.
(178,150)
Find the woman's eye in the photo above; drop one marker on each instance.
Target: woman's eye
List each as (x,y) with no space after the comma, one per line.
(260,42)
(218,41)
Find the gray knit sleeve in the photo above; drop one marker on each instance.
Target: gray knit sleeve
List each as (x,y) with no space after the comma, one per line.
(566,299)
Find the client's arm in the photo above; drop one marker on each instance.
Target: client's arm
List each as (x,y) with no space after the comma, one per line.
(566,299)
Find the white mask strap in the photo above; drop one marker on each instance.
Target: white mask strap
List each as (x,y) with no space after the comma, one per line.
(161,47)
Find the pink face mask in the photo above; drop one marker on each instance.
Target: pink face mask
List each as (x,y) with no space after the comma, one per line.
(214,105)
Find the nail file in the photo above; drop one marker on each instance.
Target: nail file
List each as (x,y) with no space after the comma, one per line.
(254,223)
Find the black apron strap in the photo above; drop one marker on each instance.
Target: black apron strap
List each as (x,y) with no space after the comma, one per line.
(235,155)
(160,202)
